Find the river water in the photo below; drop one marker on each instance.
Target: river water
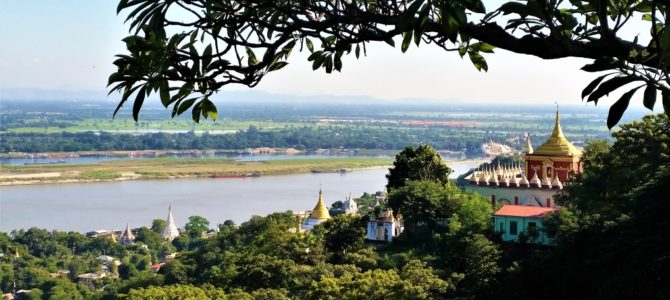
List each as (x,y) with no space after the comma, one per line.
(85,207)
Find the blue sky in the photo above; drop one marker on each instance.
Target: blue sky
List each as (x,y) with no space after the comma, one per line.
(71,44)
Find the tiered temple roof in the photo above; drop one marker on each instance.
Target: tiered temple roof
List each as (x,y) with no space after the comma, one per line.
(515,177)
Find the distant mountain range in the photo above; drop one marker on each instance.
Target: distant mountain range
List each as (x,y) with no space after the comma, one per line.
(261,97)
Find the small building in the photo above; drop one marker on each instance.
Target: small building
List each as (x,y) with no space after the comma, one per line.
(105,258)
(384,227)
(350,206)
(156,267)
(88,279)
(127,237)
(100,232)
(515,221)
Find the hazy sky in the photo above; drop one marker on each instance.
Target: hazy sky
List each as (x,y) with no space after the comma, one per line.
(71,45)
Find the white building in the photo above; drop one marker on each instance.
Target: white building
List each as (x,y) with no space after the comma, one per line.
(350,206)
(384,227)
(127,237)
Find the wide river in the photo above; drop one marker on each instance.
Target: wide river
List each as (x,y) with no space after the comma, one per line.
(85,207)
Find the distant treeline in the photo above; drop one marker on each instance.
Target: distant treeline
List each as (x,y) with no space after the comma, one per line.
(296,137)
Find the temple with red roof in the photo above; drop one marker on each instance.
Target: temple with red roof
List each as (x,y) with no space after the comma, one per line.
(526,192)
(516,222)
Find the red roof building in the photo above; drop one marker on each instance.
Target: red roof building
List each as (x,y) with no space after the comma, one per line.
(517,222)
(524,211)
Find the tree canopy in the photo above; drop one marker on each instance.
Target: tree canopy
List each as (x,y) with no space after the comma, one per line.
(420,163)
(188,51)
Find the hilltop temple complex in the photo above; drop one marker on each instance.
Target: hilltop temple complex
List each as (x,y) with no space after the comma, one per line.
(536,182)
(527,192)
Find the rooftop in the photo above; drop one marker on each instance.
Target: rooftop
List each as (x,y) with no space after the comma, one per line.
(524,211)
(557,144)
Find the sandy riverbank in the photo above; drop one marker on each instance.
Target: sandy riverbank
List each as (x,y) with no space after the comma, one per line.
(167,168)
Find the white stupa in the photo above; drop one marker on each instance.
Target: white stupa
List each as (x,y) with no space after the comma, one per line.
(170,232)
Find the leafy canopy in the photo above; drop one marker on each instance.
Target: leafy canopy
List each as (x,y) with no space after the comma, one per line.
(420,163)
(186,51)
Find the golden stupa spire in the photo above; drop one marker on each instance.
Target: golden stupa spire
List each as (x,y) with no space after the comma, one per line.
(320,211)
(557,144)
(558,132)
(113,237)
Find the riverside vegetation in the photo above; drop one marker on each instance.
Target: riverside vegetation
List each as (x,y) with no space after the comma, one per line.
(168,168)
(86,126)
(609,217)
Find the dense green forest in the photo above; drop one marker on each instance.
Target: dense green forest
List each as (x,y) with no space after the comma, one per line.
(301,138)
(608,242)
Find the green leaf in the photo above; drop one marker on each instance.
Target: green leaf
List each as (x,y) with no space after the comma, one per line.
(185,105)
(338,63)
(195,112)
(122,4)
(608,86)
(478,61)
(649,96)
(390,41)
(618,108)
(277,66)
(665,39)
(358,51)
(310,46)
(514,8)
(251,57)
(328,62)
(165,93)
(139,100)
(483,47)
(406,40)
(475,6)
(407,16)
(206,57)
(217,64)
(330,40)
(208,109)
(314,55)
(602,64)
(592,86)
(318,60)
(417,36)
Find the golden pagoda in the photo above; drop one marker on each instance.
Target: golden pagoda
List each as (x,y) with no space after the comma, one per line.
(557,144)
(318,215)
(557,157)
(320,211)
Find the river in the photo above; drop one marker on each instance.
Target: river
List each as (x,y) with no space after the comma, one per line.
(85,207)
